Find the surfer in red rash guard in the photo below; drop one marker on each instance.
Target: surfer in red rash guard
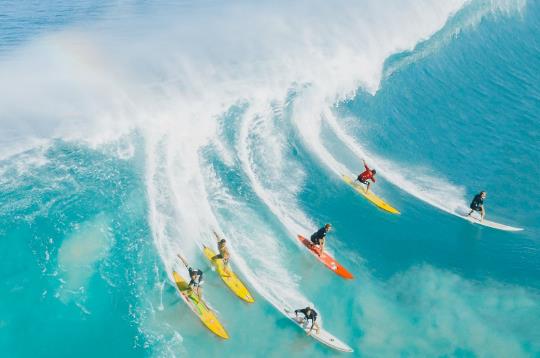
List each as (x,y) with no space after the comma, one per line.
(368,174)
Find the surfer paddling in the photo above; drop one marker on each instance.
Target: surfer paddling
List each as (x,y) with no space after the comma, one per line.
(309,314)
(366,175)
(196,278)
(318,239)
(477,204)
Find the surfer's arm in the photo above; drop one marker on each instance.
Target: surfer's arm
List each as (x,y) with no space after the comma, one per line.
(365,165)
(183,260)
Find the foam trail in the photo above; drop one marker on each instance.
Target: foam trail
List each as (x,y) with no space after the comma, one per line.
(175,230)
(285,178)
(278,287)
(310,112)
(175,182)
(432,190)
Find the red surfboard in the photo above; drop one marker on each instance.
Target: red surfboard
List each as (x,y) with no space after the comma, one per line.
(326,259)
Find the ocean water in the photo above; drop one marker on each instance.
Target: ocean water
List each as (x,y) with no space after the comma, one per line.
(129,130)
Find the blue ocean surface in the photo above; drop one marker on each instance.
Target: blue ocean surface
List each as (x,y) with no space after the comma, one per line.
(130,130)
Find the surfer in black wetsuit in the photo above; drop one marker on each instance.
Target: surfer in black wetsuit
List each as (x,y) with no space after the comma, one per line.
(318,238)
(196,277)
(309,314)
(477,204)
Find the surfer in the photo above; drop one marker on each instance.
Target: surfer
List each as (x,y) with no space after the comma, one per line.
(223,254)
(196,278)
(477,204)
(368,174)
(309,314)
(318,238)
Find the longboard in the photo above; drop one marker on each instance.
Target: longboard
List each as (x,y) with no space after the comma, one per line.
(231,280)
(323,336)
(488,223)
(374,199)
(326,259)
(199,307)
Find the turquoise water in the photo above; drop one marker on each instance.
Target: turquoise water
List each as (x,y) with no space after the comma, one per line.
(129,130)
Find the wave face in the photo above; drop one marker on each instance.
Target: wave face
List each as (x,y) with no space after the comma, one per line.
(130,131)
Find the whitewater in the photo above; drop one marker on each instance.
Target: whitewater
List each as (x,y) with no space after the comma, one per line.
(129,132)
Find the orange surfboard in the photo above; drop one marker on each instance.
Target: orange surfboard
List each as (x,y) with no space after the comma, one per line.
(326,259)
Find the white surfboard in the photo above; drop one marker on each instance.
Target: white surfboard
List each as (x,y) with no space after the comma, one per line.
(476,220)
(323,336)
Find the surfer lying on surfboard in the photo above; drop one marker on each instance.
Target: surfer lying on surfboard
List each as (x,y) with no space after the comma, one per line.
(477,204)
(366,175)
(318,238)
(223,254)
(309,314)
(196,278)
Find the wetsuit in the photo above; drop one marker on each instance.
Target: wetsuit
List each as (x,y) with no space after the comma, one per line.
(312,315)
(318,236)
(197,281)
(477,203)
(366,175)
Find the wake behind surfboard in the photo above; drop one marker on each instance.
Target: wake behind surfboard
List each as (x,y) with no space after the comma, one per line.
(374,199)
(487,223)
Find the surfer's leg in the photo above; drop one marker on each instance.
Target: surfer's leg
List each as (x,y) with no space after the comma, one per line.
(226,270)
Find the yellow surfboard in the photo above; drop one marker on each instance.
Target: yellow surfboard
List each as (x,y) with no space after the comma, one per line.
(370,196)
(199,307)
(229,277)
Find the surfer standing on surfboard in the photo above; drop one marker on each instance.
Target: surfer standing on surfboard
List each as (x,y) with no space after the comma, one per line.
(318,238)
(365,176)
(309,314)
(196,277)
(224,254)
(477,204)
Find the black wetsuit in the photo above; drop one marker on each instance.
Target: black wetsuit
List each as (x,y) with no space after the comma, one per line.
(318,236)
(197,281)
(477,203)
(312,315)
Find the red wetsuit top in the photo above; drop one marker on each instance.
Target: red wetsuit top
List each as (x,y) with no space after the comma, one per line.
(368,174)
